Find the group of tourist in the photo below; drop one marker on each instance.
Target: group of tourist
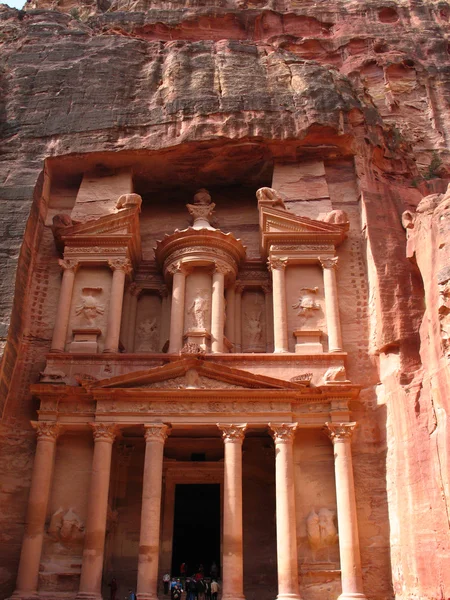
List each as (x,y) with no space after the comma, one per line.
(196,587)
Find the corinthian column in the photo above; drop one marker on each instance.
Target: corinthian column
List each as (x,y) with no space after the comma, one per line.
(278,266)
(232,560)
(283,435)
(351,575)
(131,329)
(30,556)
(177,312)
(147,582)
(230,313)
(331,304)
(218,308)
(64,303)
(268,305)
(120,268)
(94,540)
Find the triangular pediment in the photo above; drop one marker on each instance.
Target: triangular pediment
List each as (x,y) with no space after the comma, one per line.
(193,373)
(278,225)
(122,222)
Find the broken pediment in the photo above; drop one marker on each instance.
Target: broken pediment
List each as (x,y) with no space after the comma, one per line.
(192,373)
(278,226)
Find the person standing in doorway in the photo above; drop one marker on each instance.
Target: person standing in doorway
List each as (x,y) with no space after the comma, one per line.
(166,582)
(214,571)
(113,586)
(131,595)
(214,589)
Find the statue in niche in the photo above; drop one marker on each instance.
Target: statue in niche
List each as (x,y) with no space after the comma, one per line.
(253,329)
(148,335)
(198,310)
(90,308)
(321,529)
(307,302)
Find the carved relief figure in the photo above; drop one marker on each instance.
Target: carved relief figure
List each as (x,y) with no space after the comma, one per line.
(198,310)
(307,302)
(148,335)
(266,195)
(253,328)
(321,529)
(90,308)
(66,526)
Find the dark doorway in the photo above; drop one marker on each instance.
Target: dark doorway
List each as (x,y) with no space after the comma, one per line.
(196,531)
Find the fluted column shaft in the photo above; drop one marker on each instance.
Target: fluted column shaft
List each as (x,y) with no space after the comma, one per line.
(177,312)
(332,304)
(280,332)
(217,309)
(233,555)
(132,308)
(165,316)
(120,269)
(230,314)
(64,303)
(94,540)
(238,317)
(147,582)
(351,574)
(287,560)
(30,555)
(268,304)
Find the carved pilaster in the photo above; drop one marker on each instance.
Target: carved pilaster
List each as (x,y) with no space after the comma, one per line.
(69,264)
(329,263)
(277,263)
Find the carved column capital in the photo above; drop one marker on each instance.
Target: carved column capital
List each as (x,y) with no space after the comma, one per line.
(233,433)
(283,433)
(156,432)
(222,268)
(329,263)
(134,289)
(279,263)
(69,264)
(46,430)
(177,267)
(239,287)
(104,432)
(340,432)
(163,291)
(266,288)
(120,264)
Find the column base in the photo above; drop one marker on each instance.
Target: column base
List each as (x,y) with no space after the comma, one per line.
(146,596)
(352,596)
(232,597)
(88,596)
(18,595)
(288,597)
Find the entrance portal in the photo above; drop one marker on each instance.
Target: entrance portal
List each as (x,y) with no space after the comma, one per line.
(196,531)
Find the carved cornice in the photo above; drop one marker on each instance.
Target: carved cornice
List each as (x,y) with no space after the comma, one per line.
(156,432)
(283,433)
(233,433)
(104,432)
(329,263)
(46,430)
(340,432)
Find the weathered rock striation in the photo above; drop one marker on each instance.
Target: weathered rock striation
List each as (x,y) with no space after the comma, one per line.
(215,93)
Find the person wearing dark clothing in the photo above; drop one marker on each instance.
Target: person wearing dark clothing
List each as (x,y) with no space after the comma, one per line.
(176,593)
(113,586)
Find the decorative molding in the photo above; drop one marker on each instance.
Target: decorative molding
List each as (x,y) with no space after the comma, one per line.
(340,432)
(283,433)
(233,433)
(156,432)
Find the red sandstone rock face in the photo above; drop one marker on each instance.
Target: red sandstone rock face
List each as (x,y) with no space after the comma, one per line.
(273,81)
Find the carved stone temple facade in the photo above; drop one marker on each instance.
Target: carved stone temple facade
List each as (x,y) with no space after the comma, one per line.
(165,371)
(225,298)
